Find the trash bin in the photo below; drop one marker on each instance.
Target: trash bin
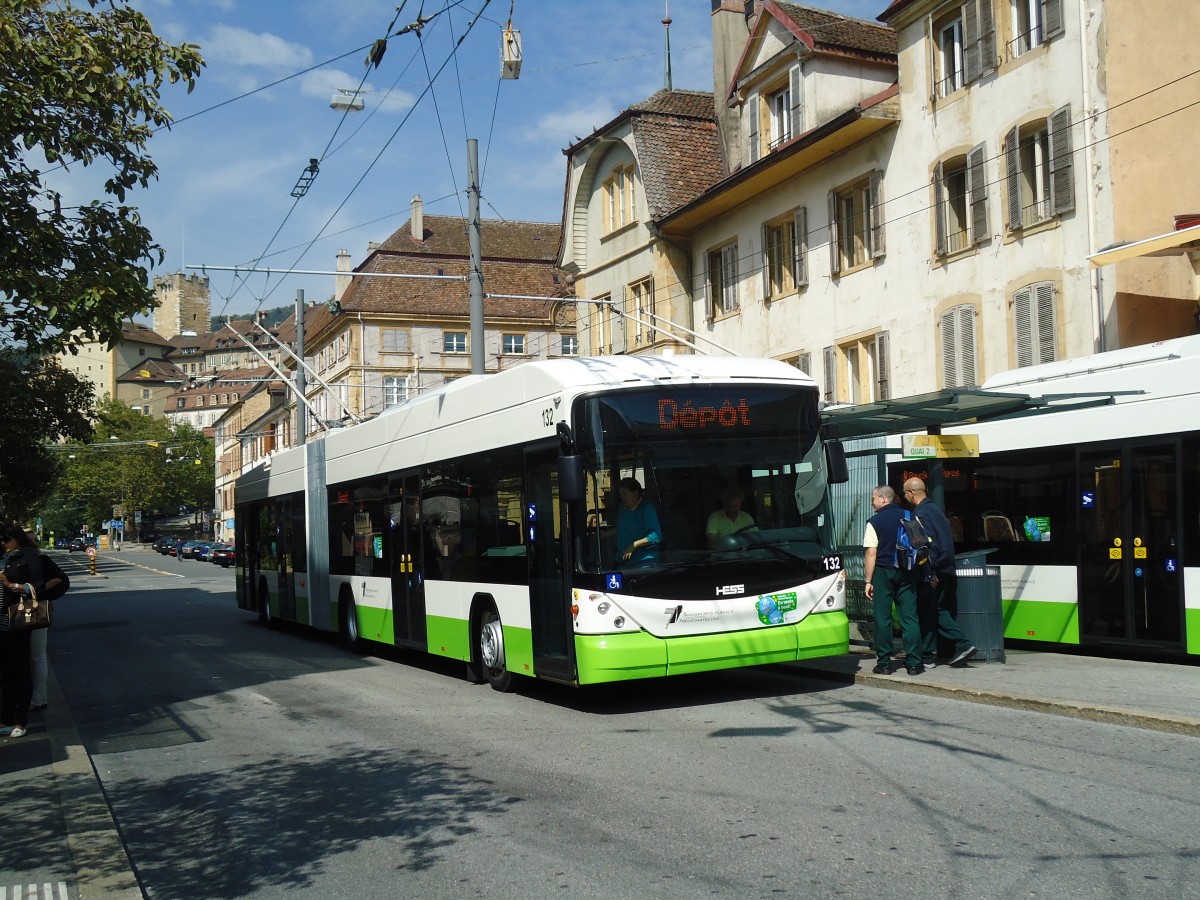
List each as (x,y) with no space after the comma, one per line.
(980,612)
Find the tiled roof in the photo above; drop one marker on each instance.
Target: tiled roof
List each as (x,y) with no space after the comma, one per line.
(135,331)
(446,236)
(156,370)
(686,104)
(437,298)
(833,32)
(679,159)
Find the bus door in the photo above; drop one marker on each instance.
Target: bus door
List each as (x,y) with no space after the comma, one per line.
(549,597)
(1130,577)
(404,561)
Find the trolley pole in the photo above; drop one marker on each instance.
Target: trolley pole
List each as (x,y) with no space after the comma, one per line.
(301,381)
(475,277)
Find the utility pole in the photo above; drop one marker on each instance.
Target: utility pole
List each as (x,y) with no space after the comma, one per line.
(301,382)
(475,277)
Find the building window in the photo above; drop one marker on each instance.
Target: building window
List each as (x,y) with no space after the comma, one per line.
(512,344)
(951,66)
(1034,323)
(393,390)
(957,337)
(858,371)
(785,254)
(602,331)
(1033,22)
(394,340)
(235,398)
(801,361)
(181,403)
(343,346)
(723,280)
(639,308)
(619,199)
(569,345)
(856,224)
(145,410)
(784,109)
(454,342)
(960,195)
(1038,170)
(224,399)
(145,393)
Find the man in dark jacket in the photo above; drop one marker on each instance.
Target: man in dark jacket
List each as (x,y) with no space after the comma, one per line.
(937,594)
(888,585)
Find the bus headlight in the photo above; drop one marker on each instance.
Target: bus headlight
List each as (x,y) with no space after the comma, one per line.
(602,608)
(619,621)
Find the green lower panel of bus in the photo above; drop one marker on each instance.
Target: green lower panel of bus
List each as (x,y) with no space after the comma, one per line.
(619,657)
(449,637)
(1191,622)
(1057,623)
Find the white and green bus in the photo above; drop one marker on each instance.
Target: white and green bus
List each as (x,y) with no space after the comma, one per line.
(478,522)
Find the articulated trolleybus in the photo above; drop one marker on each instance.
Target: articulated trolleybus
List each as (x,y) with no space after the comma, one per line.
(479,522)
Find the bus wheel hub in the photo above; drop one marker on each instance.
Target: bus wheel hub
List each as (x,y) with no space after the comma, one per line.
(491,644)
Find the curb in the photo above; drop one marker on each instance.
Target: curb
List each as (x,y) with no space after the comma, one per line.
(1111,715)
(102,867)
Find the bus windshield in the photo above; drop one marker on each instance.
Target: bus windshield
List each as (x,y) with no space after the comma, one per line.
(724,475)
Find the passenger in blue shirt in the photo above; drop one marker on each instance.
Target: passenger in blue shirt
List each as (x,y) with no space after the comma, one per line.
(638,531)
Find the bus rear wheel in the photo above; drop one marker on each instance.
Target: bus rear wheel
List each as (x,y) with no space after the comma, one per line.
(491,650)
(264,605)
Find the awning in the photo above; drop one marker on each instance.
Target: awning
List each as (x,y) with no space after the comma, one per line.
(949,406)
(1173,243)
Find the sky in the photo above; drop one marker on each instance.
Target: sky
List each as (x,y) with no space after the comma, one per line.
(261,110)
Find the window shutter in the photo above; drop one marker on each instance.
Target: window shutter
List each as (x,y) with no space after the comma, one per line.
(766,262)
(651,310)
(987,37)
(835,258)
(977,193)
(948,326)
(877,247)
(883,356)
(967,371)
(971,49)
(795,85)
(1023,326)
(830,374)
(800,255)
(932,59)
(1044,295)
(752,119)
(939,211)
(1052,20)
(804,363)
(1062,192)
(621,340)
(706,290)
(1012,179)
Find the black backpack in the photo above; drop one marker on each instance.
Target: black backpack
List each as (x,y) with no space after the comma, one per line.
(51,570)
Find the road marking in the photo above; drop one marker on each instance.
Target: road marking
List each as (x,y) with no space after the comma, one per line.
(148,569)
(31,892)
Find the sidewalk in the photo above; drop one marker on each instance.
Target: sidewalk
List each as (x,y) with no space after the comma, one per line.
(69,845)
(1159,696)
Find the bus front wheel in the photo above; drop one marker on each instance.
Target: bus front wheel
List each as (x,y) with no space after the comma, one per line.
(348,624)
(491,650)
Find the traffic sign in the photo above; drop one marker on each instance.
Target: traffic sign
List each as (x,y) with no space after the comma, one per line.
(91,551)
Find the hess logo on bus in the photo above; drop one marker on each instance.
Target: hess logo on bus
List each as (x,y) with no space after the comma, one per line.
(731,590)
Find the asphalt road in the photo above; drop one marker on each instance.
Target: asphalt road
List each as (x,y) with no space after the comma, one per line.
(244,762)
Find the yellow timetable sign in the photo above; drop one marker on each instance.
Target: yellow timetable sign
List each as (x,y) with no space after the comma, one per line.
(939,446)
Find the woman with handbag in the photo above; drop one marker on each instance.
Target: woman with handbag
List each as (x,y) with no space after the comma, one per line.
(22,578)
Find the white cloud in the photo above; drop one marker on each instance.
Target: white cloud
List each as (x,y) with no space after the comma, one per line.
(238,46)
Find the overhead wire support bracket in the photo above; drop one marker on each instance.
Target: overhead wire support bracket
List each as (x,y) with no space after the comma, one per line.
(307,177)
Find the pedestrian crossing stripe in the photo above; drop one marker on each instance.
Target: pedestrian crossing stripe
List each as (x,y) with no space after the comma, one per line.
(44,891)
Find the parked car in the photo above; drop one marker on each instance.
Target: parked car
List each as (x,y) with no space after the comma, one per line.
(77,543)
(222,555)
(202,550)
(61,543)
(162,543)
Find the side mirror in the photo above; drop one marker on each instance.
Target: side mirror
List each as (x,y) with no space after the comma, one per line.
(571,486)
(835,459)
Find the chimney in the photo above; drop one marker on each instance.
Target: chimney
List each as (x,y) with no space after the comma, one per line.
(731,23)
(342,282)
(418,218)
